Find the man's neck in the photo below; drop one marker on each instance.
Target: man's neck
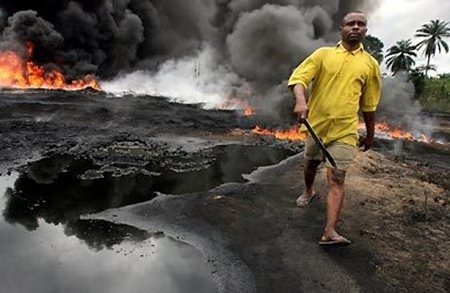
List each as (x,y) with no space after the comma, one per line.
(351,47)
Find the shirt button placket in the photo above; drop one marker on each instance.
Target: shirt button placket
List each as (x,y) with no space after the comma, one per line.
(342,66)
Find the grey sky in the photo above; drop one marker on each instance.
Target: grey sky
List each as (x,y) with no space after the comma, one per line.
(396,20)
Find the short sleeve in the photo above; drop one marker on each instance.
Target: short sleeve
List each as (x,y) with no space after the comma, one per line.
(306,71)
(371,92)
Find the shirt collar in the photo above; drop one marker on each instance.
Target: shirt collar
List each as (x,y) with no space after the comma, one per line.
(341,49)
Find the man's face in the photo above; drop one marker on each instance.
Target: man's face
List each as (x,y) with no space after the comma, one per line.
(353,28)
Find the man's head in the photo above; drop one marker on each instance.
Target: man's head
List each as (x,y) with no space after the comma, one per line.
(353,28)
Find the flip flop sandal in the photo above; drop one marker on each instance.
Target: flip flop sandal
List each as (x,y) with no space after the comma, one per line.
(338,241)
(303,201)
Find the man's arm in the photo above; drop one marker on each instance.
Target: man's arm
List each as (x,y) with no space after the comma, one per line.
(301,107)
(369,120)
(369,102)
(300,79)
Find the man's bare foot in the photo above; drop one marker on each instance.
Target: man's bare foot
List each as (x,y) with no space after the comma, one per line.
(304,199)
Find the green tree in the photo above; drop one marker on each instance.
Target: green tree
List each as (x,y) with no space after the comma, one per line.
(433,35)
(400,56)
(417,77)
(426,68)
(444,76)
(374,46)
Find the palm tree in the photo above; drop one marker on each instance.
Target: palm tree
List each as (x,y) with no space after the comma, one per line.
(399,56)
(433,34)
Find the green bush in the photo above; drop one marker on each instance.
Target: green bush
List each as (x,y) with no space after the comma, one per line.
(435,94)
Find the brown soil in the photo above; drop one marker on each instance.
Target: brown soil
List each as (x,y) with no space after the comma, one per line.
(396,211)
(401,213)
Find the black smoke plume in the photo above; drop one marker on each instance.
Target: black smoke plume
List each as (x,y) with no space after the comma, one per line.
(246,43)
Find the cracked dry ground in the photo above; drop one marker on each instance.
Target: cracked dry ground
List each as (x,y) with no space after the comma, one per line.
(396,211)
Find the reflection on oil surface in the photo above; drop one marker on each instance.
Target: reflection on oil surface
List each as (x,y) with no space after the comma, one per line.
(45,247)
(61,188)
(93,256)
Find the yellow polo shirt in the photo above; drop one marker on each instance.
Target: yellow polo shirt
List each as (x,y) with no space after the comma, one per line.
(344,82)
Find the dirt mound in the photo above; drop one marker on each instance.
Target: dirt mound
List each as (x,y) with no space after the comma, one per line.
(401,213)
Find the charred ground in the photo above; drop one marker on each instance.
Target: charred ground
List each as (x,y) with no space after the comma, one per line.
(397,207)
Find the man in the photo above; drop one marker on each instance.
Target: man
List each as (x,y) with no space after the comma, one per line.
(346,79)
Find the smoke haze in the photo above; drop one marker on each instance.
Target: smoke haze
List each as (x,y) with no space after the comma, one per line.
(398,107)
(194,51)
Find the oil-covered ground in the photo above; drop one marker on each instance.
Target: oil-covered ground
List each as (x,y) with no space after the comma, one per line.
(137,194)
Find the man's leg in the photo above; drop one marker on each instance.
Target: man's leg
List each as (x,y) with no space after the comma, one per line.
(344,155)
(336,181)
(310,171)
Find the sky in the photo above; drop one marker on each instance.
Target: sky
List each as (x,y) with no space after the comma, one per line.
(396,20)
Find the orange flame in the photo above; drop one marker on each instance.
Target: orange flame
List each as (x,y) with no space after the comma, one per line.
(394,131)
(291,133)
(248,111)
(381,129)
(384,129)
(18,73)
(240,104)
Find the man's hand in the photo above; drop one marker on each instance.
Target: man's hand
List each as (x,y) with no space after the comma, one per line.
(366,143)
(302,111)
